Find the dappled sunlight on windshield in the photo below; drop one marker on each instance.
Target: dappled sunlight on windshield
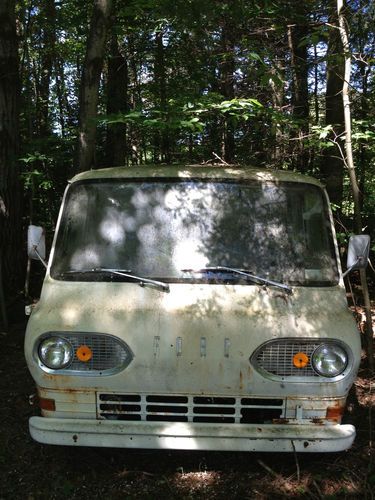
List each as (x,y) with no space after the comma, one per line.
(188,251)
(156,229)
(85,257)
(112,228)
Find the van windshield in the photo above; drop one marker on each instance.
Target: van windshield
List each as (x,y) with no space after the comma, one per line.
(161,228)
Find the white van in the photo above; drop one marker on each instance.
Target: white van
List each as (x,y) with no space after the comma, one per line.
(194,307)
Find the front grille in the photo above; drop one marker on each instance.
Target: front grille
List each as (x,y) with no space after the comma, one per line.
(276,357)
(208,409)
(109,354)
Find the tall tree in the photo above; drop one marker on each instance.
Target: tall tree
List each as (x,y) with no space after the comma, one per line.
(117,102)
(48,16)
(90,81)
(161,84)
(297,34)
(10,216)
(332,164)
(227,69)
(277,84)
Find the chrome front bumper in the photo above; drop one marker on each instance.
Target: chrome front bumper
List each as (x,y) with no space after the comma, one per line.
(192,436)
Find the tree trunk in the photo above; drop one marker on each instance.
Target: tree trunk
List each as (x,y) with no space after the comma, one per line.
(90,81)
(316,85)
(365,112)
(332,167)
(48,16)
(10,215)
(278,100)
(300,94)
(135,133)
(352,175)
(116,103)
(160,79)
(227,89)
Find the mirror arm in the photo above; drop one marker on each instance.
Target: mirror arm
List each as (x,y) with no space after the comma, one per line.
(39,256)
(352,267)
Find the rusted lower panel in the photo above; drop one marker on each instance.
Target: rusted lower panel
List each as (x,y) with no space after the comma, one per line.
(69,403)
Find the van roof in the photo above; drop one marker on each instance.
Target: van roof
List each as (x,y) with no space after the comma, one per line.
(227,172)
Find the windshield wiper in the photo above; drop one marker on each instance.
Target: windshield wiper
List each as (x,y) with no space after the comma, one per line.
(252,277)
(125,273)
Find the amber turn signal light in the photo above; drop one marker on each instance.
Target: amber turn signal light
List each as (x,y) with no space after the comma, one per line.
(300,360)
(47,404)
(84,353)
(335,413)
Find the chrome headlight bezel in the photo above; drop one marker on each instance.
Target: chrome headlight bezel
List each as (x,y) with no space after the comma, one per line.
(58,346)
(337,354)
(286,347)
(110,354)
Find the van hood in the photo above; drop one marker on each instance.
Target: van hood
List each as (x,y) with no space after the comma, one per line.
(194,339)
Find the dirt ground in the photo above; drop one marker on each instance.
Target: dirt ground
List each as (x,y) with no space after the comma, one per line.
(29,470)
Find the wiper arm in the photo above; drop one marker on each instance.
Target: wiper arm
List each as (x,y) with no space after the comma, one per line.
(252,277)
(126,274)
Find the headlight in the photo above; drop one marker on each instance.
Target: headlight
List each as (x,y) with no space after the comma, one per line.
(329,360)
(55,352)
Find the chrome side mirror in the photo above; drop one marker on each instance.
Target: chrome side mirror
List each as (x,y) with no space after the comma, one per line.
(358,252)
(36,244)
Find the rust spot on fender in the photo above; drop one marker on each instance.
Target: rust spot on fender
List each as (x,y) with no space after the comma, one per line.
(72,395)
(280,421)
(241,380)
(317,420)
(282,296)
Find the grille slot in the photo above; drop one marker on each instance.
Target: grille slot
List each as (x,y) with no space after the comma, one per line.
(166,409)
(213,400)
(217,420)
(166,399)
(261,402)
(120,397)
(214,410)
(256,415)
(208,409)
(276,358)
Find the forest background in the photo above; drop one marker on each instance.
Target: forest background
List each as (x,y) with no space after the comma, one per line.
(126,82)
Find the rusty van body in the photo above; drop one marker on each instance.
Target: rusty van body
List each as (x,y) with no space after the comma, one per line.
(193,307)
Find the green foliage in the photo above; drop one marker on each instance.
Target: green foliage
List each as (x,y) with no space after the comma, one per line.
(364,132)
(193,117)
(226,69)
(321,132)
